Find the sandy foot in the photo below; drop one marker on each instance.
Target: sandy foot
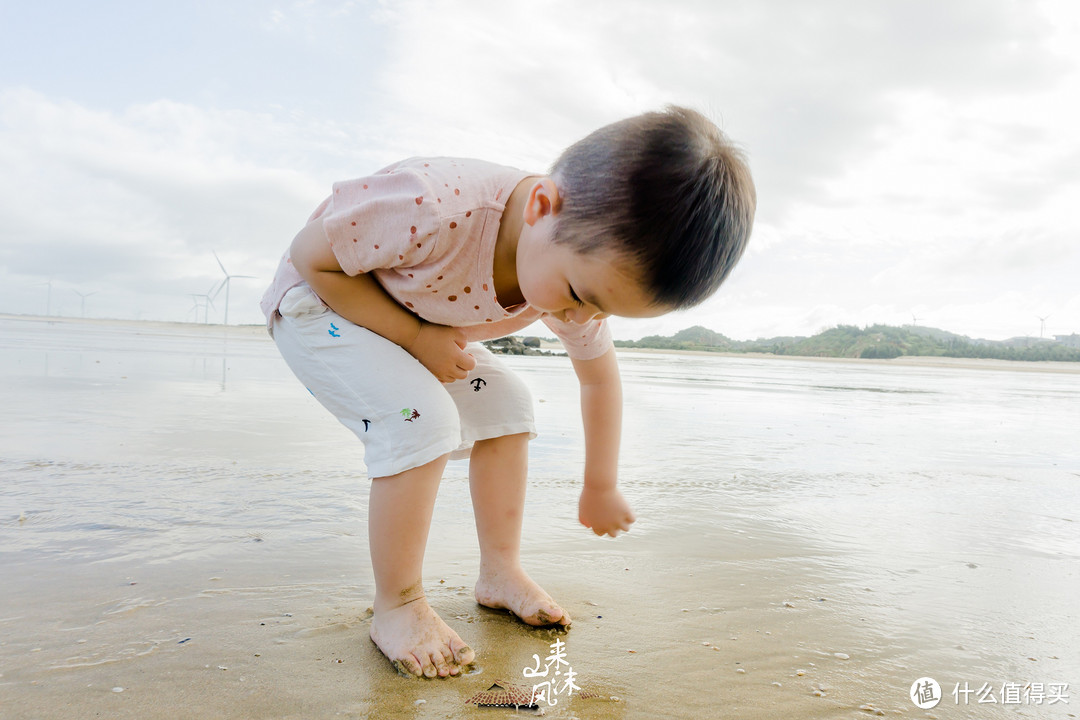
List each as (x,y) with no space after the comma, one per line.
(515,591)
(418,642)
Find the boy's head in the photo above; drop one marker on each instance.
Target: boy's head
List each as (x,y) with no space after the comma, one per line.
(665,191)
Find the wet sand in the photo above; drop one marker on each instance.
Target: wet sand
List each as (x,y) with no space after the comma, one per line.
(665,626)
(689,623)
(209,559)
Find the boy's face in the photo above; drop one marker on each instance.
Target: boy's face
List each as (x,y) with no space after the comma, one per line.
(574,287)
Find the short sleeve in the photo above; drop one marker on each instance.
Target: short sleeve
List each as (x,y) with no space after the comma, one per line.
(387,220)
(582,342)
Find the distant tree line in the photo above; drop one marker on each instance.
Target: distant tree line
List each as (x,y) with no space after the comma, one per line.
(875,341)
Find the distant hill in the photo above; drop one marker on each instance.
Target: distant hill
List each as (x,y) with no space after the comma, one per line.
(874,341)
(692,338)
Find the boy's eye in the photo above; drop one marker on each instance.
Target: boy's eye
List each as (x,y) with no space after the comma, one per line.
(575,298)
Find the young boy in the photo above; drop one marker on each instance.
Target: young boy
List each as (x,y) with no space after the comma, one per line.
(380,301)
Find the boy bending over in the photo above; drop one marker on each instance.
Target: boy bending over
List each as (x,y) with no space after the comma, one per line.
(381,301)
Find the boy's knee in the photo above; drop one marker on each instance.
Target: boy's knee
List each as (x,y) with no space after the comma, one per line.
(518,392)
(411,436)
(438,416)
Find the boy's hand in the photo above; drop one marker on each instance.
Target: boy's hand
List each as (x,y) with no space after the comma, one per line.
(441,349)
(605,511)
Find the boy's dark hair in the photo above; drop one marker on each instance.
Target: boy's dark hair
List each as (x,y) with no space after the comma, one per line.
(665,190)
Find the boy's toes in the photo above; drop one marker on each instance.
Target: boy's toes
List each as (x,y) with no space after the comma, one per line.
(441,666)
(408,666)
(449,662)
(419,644)
(463,654)
(549,615)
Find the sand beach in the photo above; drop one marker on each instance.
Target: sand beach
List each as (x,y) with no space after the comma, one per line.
(183,534)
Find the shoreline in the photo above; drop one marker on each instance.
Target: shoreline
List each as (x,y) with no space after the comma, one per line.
(906,360)
(145,325)
(920,361)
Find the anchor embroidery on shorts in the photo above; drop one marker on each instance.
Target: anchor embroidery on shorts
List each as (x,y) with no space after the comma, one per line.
(409,415)
(477,384)
(367,423)
(333,327)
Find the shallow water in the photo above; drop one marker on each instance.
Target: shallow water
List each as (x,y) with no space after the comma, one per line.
(919,520)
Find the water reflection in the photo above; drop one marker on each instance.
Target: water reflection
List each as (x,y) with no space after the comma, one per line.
(937,505)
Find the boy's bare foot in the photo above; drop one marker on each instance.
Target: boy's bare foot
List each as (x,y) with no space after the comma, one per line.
(418,642)
(513,590)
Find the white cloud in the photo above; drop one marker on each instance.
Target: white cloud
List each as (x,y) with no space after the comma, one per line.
(136,201)
(910,157)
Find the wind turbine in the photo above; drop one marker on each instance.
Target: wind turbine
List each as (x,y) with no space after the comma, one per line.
(1042,325)
(84,296)
(914,320)
(197,305)
(48,301)
(225,284)
(206,304)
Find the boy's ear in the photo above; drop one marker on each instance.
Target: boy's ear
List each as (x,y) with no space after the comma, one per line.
(543,200)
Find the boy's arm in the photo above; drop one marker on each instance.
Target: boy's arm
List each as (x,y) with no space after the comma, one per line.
(362,300)
(602,507)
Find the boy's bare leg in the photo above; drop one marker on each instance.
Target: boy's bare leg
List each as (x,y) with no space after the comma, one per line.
(498,470)
(405,627)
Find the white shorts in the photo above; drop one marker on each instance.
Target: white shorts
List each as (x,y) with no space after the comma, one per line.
(403,415)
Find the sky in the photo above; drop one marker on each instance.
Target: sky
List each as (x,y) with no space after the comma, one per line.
(916,161)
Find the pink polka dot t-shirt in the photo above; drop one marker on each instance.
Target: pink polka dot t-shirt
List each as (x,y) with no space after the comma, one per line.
(425,228)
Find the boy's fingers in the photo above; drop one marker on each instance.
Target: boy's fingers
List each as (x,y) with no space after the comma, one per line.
(466,362)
